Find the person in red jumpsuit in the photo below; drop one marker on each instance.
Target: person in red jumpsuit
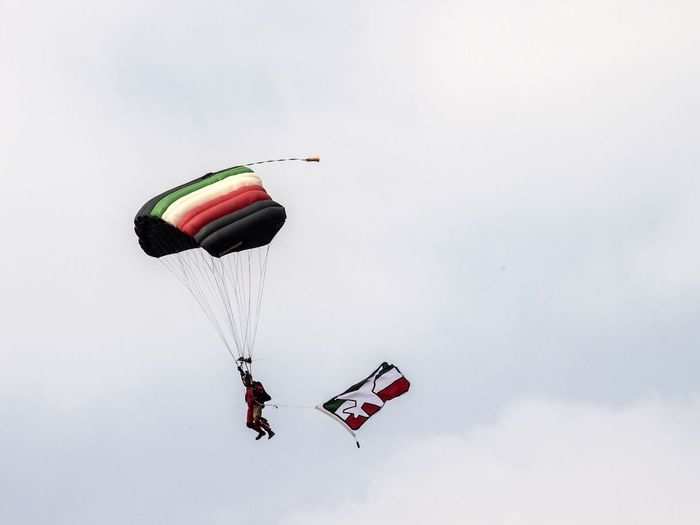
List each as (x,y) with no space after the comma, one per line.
(255,397)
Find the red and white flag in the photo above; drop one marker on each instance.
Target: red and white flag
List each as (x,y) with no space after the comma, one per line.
(362,400)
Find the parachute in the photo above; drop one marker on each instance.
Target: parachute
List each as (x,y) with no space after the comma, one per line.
(214,234)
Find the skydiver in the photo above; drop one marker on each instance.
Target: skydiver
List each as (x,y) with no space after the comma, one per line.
(255,398)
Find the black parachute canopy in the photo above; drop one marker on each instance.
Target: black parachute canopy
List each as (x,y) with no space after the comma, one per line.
(222,212)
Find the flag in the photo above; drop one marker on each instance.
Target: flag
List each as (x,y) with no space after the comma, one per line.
(361,401)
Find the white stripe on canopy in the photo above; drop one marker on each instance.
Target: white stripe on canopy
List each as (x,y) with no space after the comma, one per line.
(184,204)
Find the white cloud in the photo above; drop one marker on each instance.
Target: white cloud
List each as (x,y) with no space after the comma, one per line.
(668,260)
(541,463)
(522,58)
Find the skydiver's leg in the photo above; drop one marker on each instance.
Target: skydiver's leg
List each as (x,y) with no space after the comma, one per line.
(256,412)
(252,423)
(266,425)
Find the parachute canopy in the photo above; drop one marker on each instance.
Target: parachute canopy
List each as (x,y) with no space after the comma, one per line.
(222,212)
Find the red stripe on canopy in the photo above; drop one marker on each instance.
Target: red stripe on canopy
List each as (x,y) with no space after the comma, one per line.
(236,200)
(213,202)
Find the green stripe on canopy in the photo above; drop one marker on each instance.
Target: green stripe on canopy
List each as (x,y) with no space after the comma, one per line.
(166,201)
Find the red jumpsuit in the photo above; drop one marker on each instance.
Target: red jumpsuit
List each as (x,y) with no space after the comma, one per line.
(251,419)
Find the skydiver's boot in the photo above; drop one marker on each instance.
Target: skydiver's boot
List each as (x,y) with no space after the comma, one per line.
(265,425)
(258,428)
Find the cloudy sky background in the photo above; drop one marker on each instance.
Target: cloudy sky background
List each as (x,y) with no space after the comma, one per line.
(506,208)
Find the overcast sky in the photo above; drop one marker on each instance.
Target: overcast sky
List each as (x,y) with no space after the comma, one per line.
(506,208)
